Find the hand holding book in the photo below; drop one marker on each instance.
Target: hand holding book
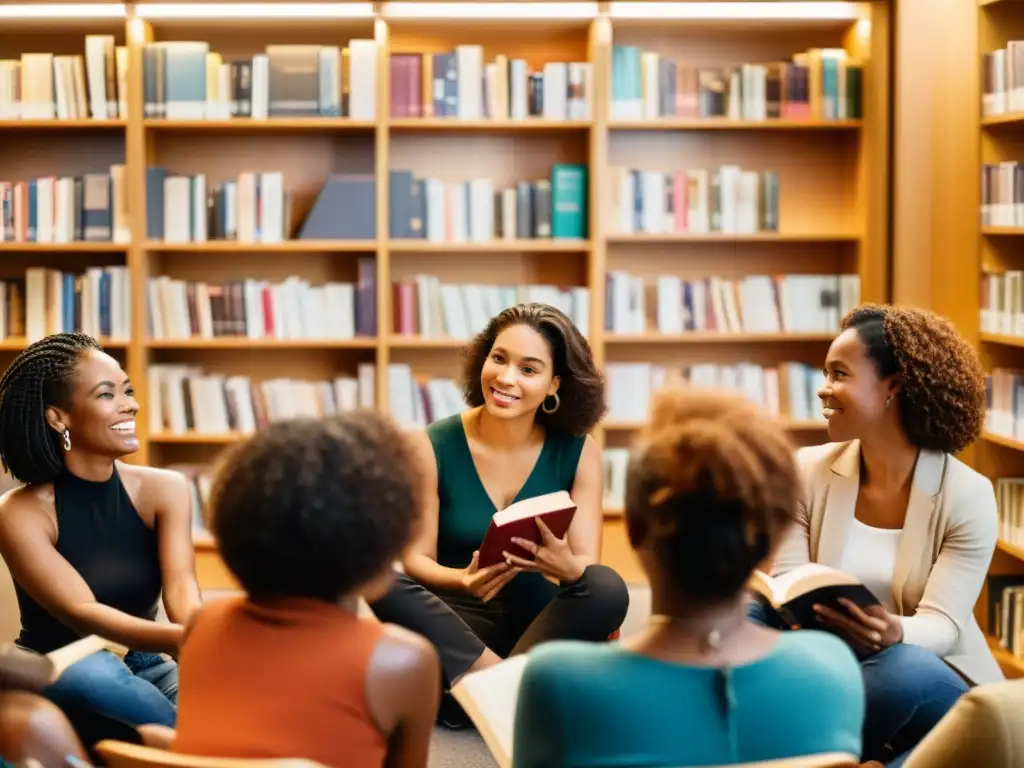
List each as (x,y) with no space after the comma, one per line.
(552,557)
(868,629)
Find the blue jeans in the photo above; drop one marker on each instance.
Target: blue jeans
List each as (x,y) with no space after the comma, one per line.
(907,690)
(141,689)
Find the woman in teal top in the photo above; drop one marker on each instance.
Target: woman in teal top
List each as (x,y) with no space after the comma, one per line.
(534,395)
(711,488)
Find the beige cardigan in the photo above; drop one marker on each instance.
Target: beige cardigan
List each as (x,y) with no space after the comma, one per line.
(944,552)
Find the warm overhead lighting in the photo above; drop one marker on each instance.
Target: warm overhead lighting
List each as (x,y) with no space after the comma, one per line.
(254,11)
(490,10)
(801,11)
(63,11)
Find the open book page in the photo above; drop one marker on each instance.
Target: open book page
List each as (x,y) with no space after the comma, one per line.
(534,506)
(489,698)
(65,656)
(799,581)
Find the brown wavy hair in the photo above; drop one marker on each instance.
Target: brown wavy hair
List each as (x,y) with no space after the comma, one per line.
(942,398)
(581,390)
(711,488)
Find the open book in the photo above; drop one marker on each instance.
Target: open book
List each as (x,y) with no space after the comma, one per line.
(489,698)
(794,594)
(519,520)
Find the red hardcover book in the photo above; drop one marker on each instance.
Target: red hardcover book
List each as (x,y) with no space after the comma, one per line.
(519,520)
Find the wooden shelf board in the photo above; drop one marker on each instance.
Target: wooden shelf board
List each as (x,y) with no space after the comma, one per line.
(1012,667)
(718,237)
(796,426)
(287,246)
(15,343)
(78,247)
(484,126)
(1006,442)
(1011,549)
(233,342)
(727,124)
(63,125)
(714,337)
(1007,118)
(495,246)
(197,438)
(1000,338)
(270,124)
(1003,231)
(414,342)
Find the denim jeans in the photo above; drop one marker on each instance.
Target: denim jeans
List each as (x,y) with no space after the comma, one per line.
(141,689)
(907,690)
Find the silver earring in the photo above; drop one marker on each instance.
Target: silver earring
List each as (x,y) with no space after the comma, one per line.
(888,401)
(67,440)
(544,406)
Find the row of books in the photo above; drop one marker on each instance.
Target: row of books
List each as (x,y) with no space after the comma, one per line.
(261,309)
(462,84)
(1005,395)
(727,199)
(92,207)
(476,212)
(1002,79)
(48,86)
(185,80)
(1006,612)
(427,308)
(752,304)
(1002,194)
(97,301)
(787,391)
(614,467)
(185,399)
(1010,506)
(1002,302)
(818,84)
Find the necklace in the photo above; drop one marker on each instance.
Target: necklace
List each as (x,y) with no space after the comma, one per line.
(711,641)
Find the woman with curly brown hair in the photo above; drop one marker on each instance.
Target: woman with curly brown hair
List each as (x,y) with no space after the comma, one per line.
(534,394)
(711,489)
(887,502)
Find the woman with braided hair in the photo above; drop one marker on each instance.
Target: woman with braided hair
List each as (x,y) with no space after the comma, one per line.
(92,543)
(710,491)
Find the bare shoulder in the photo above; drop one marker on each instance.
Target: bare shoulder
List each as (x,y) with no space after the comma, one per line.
(152,478)
(402,654)
(27,505)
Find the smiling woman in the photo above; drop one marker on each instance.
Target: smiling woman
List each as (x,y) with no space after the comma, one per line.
(92,543)
(534,394)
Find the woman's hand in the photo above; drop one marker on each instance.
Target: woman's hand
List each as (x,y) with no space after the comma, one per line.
(487,582)
(872,629)
(552,556)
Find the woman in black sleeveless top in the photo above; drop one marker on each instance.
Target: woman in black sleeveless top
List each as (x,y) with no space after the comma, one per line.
(92,543)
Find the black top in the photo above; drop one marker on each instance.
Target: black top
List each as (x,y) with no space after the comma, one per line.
(102,536)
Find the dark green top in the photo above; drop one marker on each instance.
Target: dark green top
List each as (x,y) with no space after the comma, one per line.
(464,508)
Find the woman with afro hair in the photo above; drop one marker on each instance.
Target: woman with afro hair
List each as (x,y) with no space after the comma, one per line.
(888,502)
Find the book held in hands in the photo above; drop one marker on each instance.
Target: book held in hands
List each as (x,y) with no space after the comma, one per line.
(519,520)
(794,594)
(489,698)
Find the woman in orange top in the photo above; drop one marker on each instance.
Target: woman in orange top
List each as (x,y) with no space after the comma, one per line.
(309,515)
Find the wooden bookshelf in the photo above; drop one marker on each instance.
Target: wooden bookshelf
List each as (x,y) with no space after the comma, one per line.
(999,133)
(833,202)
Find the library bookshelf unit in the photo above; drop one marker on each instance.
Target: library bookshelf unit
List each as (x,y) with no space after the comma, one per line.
(621,160)
(998,294)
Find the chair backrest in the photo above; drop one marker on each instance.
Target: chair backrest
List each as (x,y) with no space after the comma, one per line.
(118,754)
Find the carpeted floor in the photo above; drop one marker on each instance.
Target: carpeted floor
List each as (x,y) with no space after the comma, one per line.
(465,749)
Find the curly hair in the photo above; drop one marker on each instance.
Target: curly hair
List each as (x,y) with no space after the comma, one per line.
(712,486)
(942,398)
(581,390)
(315,507)
(39,377)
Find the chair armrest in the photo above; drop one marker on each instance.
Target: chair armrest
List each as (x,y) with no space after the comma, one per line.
(156,736)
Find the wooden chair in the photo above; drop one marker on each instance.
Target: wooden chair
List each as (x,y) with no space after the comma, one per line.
(117,754)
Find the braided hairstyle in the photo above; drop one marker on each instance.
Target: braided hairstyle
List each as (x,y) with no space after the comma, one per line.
(39,377)
(711,487)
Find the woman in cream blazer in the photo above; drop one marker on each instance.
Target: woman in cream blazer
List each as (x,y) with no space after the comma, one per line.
(888,502)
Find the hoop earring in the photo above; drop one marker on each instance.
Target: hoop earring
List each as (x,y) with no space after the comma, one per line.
(544,405)
(67,440)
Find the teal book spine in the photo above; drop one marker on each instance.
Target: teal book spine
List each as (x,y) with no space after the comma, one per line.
(569,201)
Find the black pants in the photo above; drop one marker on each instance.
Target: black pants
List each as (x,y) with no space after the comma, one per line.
(528,611)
